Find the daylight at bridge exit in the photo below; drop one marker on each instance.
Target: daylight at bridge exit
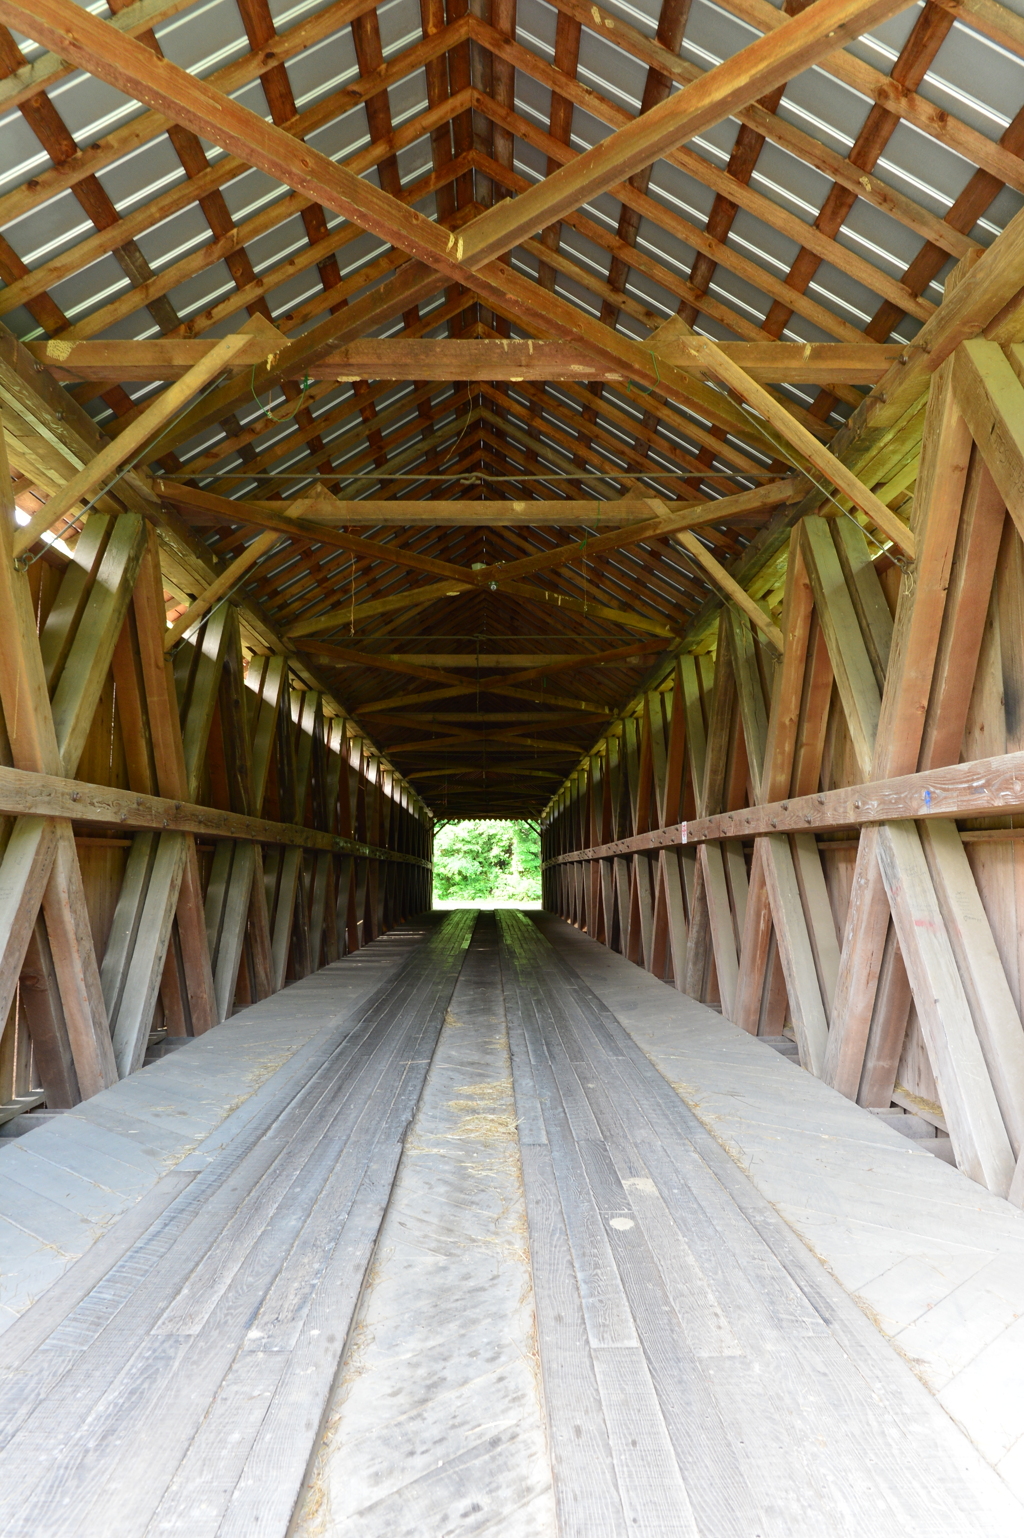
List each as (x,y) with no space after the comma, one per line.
(512,769)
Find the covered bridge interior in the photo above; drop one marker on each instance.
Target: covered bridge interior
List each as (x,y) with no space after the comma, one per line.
(605,415)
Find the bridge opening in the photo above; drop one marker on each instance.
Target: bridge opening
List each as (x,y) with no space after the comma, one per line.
(487,863)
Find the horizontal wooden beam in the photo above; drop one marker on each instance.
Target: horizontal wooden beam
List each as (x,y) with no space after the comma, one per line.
(463,755)
(398,358)
(328,512)
(23,794)
(458,579)
(471,659)
(540,696)
(278,516)
(400,662)
(487,772)
(473,256)
(619,512)
(540,718)
(985,787)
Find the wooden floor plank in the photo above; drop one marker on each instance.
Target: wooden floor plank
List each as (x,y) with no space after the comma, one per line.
(703,1376)
(586,1482)
(161,1350)
(269,1487)
(662,1504)
(834,1413)
(194,1500)
(435,1424)
(34,1327)
(208,1093)
(654,1497)
(647,1102)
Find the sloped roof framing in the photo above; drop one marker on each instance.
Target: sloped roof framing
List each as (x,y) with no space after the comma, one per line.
(572,204)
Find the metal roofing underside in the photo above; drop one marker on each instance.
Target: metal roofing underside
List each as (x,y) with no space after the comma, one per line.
(103,237)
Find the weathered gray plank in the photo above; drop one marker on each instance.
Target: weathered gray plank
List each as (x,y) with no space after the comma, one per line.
(586,1486)
(100,1361)
(853,1436)
(702,1373)
(435,1422)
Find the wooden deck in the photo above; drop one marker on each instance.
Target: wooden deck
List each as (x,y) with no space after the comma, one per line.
(184,1392)
(934,1260)
(385,1297)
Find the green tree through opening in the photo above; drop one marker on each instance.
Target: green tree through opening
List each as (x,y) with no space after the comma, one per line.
(487,861)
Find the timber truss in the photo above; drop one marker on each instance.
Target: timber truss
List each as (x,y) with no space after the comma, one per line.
(564,306)
(399,399)
(828,838)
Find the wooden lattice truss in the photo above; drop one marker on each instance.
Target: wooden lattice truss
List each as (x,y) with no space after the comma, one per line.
(876,774)
(179,838)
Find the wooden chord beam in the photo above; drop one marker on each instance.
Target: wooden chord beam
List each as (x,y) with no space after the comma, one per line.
(398,358)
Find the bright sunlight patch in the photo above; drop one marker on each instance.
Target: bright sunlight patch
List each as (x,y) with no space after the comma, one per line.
(487,861)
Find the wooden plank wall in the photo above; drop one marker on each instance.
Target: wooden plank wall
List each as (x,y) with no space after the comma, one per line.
(892,952)
(113,938)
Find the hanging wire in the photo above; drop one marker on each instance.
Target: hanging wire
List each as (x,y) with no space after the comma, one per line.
(630,390)
(202,620)
(585,595)
(296,406)
(424,475)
